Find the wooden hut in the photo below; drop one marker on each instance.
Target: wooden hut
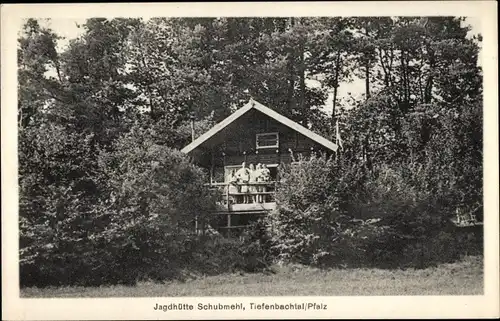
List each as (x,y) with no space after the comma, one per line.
(253,134)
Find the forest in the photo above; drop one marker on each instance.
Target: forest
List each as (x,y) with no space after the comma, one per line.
(106,196)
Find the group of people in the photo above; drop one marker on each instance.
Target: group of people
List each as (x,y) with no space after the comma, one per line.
(243,181)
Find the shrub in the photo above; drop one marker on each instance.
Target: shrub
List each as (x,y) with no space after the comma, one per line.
(137,227)
(307,219)
(256,247)
(155,193)
(58,188)
(414,227)
(215,254)
(387,222)
(318,222)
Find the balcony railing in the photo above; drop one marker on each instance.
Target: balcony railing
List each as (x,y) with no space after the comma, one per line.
(232,199)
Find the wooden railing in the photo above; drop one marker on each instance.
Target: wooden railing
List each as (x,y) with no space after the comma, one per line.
(222,184)
(231,203)
(251,197)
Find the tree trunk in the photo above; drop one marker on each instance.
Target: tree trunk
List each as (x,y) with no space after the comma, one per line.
(430,80)
(302,103)
(291,72)
(428,90)
(336,85)
(58,70)
(404,83)
(385,68)
(334,104)
(367,72)
(367,79)
(403,77)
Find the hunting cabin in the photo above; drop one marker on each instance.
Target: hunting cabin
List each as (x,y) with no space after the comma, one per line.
(253,134)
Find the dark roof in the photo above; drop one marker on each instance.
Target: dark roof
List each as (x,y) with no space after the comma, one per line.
(252,104)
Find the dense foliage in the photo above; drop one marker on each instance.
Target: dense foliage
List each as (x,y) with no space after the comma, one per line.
(101,120)
(122,222)
(387,223)
(308,219)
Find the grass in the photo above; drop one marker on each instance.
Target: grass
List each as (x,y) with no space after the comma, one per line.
(460,278)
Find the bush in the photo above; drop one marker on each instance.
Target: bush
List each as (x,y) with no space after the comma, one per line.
(58,188)
(217,255)
(387,222)
(318,222)
(443,247)
(137,227)
(413,228)
(307,219)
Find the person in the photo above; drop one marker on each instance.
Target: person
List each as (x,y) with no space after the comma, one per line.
(259,179)
(243,176)
(252,188)
(232,186)
(265,174)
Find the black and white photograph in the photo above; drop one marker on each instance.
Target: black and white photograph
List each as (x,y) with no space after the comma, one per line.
(250,156)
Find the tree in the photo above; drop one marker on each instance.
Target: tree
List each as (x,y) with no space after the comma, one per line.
(96,94)
(331,53)
(422,116)
(369,32)
(36,55)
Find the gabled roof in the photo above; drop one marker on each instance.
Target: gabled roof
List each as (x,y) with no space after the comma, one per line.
(252,104)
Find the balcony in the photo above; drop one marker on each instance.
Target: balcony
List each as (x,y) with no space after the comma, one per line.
(250,202)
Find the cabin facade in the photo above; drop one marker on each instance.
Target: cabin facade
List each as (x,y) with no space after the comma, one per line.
(253,134)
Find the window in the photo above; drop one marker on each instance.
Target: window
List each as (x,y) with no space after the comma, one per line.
(267,140)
